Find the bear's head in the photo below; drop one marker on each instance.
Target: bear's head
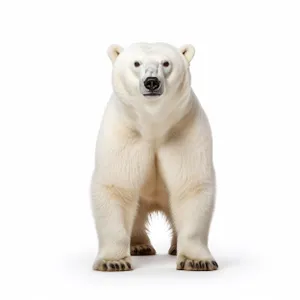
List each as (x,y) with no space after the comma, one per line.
(147,73)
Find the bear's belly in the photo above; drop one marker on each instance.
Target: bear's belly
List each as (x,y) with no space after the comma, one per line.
(154,193)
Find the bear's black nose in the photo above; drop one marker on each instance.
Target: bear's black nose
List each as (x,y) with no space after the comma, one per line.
(151,83)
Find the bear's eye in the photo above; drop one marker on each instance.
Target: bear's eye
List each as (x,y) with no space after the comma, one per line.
(136,64)
(166,64)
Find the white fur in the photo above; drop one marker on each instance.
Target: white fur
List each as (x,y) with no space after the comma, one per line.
(152,154)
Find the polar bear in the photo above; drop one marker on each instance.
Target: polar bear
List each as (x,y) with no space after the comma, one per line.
(153,153)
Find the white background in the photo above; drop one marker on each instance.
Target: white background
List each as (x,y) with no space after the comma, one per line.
(54,85)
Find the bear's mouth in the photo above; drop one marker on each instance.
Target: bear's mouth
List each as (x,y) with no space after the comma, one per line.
(152,94)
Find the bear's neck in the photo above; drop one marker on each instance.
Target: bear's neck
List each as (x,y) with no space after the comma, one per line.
(157,121)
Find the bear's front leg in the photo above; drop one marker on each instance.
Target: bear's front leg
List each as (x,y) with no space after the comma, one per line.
(192,208)
(187,169)
(114,209)
(122,165)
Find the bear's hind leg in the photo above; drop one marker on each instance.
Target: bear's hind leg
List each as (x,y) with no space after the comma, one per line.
(173,247)
(140,243)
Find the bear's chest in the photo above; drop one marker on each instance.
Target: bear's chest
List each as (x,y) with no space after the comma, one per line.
(154,192)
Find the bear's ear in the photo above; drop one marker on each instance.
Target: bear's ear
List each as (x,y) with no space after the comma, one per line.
(187,51)
(113,52)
